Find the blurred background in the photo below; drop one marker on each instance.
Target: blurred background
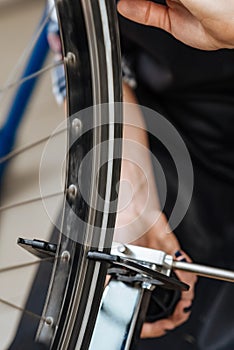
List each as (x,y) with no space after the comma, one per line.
(35,171)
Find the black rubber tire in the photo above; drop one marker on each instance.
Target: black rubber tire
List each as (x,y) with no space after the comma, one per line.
(90,41)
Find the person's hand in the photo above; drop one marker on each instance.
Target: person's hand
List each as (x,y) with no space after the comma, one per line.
(140,220)
(203,24)
(158,237)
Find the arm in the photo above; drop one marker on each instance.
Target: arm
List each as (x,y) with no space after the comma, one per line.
(140,220)
(203,24)
(139,209)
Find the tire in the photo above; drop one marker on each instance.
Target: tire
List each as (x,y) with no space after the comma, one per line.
(91,51)
(92,63)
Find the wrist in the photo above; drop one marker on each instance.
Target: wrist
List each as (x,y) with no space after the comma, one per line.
(158,237)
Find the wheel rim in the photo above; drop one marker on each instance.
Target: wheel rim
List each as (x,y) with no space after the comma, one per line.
(92,62)
(72,308)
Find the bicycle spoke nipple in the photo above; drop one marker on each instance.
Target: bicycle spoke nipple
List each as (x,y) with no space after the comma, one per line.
(49,321)
(72,191)
(70,58)
(65,256)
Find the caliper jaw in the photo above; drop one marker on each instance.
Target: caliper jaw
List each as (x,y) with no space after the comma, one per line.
(152,267)
(136,272)
(154,259)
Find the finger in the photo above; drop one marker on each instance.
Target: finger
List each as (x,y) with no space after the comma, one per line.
(190,294)
(145,12)
(186,277)
(107,280)
(160,328)
(190,280)
(181,313)
(156,329)
(180,255)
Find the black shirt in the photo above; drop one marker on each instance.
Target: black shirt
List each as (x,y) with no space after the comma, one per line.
(194,90)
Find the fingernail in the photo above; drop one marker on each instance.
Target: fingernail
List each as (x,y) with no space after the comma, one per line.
(178,253)
(187,309)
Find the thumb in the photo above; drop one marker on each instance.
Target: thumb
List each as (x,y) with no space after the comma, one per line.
(145,12)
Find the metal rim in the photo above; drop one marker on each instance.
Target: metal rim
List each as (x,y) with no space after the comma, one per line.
(92,61)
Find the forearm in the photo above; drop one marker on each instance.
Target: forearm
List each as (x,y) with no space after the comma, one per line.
(140,219)
(137,163)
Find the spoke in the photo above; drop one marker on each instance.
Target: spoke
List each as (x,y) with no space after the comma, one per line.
(31,263)
(12,82)
(30,146)
(31,76)
(27,312)
(26,53)
(29,201)
(20,266)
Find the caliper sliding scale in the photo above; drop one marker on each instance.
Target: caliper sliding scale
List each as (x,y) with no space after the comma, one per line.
(123,304)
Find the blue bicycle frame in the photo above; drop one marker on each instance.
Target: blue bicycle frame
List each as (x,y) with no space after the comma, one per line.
(22,96)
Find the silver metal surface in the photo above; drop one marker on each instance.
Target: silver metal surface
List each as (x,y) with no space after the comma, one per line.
(49,321)
(72,191)
(65,256)
(116,319)
(70,58)
(77,126)
(120,304)
(164,263)
(205,271)
(157,259)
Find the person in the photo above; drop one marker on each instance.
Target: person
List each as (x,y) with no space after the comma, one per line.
(183,84)
(200,24)
(151,220)
(193,89)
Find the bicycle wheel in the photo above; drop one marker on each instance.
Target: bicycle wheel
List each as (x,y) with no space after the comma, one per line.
(90,57)
(91,53)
